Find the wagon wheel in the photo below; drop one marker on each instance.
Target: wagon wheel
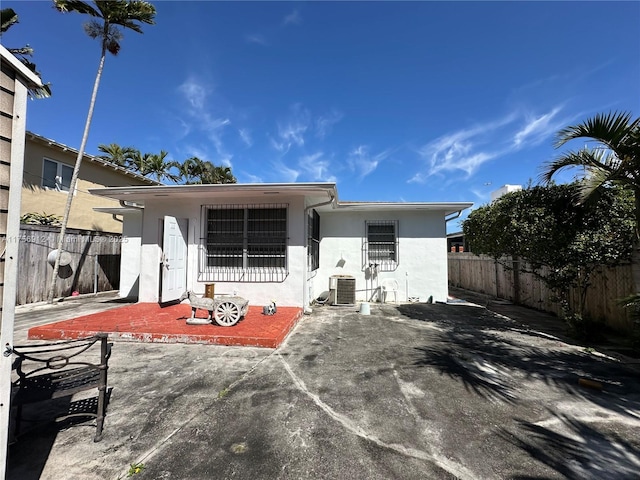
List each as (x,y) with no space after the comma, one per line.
(227,314)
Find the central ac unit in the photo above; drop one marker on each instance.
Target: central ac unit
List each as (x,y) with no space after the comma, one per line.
(342,289)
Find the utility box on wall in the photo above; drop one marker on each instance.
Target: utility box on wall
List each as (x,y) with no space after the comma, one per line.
(342,290)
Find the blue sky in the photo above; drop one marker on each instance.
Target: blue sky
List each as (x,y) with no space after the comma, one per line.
(393,101)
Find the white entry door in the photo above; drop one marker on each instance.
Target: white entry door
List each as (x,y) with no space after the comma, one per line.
(174,258)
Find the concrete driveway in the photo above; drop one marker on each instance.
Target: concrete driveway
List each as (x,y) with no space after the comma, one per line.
(415,391)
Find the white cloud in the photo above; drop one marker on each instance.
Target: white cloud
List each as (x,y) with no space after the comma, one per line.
(252,178)
(245,136)
(292,133)
(537,129)
(198,117)
(280,147)
(291,130)
(316,167)
(256,38)
(293,18)
(363,163)
(463,150)
(284,173)
(195,93)
(324,123)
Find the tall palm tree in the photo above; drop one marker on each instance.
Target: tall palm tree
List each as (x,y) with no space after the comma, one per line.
(157,166)
(215,174)
(191,170)
(196,171)
(114,153)
(615,159)
(109,17)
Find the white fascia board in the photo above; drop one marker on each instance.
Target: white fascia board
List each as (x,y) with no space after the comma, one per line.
(446,207)
(20,68)
(116,210)
(141,193)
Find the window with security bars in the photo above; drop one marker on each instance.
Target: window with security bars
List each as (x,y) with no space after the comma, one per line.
(313,241)
(244,243)
(382,244)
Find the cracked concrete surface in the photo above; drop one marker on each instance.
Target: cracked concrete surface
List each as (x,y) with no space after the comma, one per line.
(412,391)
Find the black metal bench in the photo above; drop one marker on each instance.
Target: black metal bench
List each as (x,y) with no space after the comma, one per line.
(49,371)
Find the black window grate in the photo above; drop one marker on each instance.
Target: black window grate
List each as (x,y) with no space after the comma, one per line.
(381,245)
(244,243)
(313,241)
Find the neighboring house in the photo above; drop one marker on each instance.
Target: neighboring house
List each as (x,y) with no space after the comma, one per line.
(281,242)
(503,190)
(48,166)
(456,243)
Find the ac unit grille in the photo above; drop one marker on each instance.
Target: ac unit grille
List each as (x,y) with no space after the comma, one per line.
(345,290)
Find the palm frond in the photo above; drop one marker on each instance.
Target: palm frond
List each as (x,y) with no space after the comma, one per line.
(607,128)
(78,6)
(8,17)
(587,158)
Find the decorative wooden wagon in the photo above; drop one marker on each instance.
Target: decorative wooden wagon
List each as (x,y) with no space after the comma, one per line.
(225,310)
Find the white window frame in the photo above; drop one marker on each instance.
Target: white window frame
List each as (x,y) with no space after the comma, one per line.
(59,187)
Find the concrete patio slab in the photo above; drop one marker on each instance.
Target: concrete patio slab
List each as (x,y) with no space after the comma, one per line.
(416,391)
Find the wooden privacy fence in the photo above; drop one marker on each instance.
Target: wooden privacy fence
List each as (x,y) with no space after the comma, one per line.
(94,266)
(480,273)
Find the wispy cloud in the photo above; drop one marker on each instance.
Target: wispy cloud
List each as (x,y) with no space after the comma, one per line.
(197,116)
(324,123)
(468,149)
(536,129)
(195,93)
(245,136)
(284,173)
(251,178)
(363,162)
(316,167)
(292,129)
(293,18)
(256,38)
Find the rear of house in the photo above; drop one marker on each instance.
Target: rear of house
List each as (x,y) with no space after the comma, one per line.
(290,243)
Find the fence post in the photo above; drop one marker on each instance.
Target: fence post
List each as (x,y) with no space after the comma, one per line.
(515,265)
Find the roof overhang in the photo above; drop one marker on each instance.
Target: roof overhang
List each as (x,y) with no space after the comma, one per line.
(447,208)
(140,194)
(117,210)
(30,78)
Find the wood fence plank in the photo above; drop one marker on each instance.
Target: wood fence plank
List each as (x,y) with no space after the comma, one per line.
(479,273)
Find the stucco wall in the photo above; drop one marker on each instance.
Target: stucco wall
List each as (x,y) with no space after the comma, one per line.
(288,292)
(37,199)
(422,265)
(130,251)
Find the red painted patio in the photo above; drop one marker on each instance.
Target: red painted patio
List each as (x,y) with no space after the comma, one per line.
(150,322)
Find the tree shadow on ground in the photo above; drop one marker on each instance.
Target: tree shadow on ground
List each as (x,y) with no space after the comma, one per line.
(579,452)
(490,354)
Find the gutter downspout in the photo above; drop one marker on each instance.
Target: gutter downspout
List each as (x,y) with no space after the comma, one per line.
(123,203)
(305,291)
(457,215)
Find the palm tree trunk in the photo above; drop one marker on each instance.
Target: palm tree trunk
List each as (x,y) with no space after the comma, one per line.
(74,177)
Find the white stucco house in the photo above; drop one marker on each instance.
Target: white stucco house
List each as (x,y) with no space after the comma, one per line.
(288,242)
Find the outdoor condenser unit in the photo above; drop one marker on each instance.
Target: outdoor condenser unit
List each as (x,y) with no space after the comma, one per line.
(342,289)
